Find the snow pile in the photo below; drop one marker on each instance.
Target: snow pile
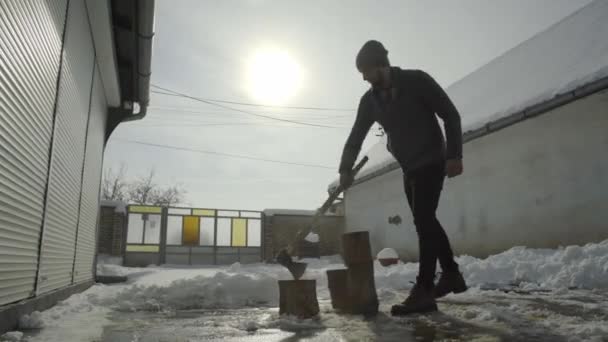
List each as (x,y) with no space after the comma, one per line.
(398,277)
(31,321)
(223,290)
(108,265)
(111,270)
(12,336)
(312,237)
(79,318)
(109,259)
(239,285)
(387,253)
(583,267)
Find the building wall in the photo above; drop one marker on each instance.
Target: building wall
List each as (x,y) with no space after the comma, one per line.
(52,128)
(26,127)
(84,255)
(67,153)
(279,231)
(540,183)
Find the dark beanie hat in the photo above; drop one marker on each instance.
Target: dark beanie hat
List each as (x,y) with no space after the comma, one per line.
(372,54)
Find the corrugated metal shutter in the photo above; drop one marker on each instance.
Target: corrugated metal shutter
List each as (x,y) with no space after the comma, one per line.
(30,52)
(63,196)
(89,207)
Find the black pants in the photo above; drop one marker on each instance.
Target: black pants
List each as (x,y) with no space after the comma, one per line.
(423,187)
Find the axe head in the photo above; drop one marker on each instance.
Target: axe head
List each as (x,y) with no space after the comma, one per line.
(296,269)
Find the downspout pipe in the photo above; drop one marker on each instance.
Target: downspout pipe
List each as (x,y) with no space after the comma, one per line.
(144,38)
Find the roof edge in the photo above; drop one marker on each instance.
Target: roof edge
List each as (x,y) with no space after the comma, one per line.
(100,21)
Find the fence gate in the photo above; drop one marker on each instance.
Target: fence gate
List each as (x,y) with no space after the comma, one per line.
(191,236)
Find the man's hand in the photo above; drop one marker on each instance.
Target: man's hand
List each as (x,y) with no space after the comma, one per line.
(346,179)
(453,167)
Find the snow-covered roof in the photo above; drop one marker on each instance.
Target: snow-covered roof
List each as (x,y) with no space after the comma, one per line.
(293,212)
(533,77)
(119,206)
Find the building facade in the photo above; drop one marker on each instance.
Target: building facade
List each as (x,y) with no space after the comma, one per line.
(70,72)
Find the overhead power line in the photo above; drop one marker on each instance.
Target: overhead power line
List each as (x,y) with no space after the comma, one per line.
(173,93)
(244,111)
(189,110)
(207,124)
(222,154)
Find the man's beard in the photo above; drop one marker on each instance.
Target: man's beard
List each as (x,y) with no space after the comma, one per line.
(379,80)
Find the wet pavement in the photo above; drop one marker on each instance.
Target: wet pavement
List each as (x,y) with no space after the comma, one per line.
(494,317)
(266,325)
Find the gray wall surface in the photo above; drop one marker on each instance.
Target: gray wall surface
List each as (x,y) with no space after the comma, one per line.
(52,127)
(542,182)
(67,153)
(28,83)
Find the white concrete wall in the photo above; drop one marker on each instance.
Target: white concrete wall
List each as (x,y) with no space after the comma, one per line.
(541,183)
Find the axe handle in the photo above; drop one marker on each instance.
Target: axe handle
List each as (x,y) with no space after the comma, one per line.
(330,200)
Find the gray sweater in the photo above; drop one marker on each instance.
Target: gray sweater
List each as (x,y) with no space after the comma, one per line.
(408,118)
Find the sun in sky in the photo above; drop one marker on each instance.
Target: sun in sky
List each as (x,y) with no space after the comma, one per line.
(273,76)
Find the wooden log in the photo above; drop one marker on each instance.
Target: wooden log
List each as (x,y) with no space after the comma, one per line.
(356,248)
(337,281)
(298,298)
(362,289)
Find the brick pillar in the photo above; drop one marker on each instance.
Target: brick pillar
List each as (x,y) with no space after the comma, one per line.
(268,237)
(118,234)
(106,227)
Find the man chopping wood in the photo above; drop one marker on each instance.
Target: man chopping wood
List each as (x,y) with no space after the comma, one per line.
(406,104)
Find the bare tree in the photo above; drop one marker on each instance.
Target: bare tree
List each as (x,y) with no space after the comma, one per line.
(169,196)
(114,185)
(143,190)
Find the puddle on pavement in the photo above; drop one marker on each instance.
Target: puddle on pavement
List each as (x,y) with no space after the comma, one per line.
(265,325)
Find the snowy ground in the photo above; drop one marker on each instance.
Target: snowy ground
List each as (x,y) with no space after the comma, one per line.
(519,295)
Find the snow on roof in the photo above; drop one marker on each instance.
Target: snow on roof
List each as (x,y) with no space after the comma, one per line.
(568,55)
(119,206)
(293,212)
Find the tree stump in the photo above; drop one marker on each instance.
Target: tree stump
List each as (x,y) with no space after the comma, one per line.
(337,281)
(298,298)
(355,248)
(357,255)
(362,289)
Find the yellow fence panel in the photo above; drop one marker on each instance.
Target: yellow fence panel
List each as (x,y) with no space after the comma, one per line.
(191,231)
(138,248)
(144,209)
(239,232)
(203,212)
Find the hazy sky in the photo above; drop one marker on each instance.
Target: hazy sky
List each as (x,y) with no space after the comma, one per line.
(209,49)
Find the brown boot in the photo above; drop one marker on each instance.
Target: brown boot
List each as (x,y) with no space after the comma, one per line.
(450,281)
(420,300)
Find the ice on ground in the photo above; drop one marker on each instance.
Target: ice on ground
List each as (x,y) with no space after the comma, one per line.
(12,336)
(387,253)
(312,237)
